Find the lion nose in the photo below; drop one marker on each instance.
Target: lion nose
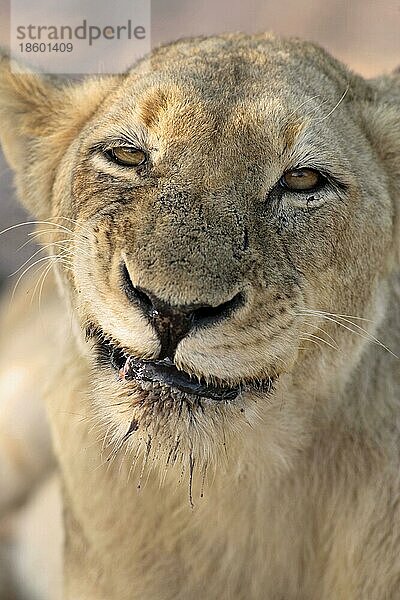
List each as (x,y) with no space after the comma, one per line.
(173,323)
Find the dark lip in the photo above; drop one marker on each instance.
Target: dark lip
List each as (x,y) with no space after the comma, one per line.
(164,373)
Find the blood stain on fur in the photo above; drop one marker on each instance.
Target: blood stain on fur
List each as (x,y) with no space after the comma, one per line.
(191,468)
(145,460)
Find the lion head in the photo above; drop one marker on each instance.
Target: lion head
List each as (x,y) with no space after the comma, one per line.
(220,215)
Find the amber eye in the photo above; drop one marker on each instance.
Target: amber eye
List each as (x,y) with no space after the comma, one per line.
(127,156)
(301,180)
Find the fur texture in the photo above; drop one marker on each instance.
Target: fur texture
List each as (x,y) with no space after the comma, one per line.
(279,495)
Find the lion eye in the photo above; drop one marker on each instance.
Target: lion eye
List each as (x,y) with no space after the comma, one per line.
(127,156)
(301,180)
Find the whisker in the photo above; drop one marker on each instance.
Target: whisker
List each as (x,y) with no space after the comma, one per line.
(40,232)
(367,335)
(316,337)
(312,341)
(25,223)
(321,312)
(40,260)
(75,222)
(73,240)
(322,331)
(337,104)
(293,113)
(41,249)
(43,279)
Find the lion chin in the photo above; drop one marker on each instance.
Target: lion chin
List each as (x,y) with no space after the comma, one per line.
(154,403)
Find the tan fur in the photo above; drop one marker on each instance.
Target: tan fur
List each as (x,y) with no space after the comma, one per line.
(25,445)
(295,493)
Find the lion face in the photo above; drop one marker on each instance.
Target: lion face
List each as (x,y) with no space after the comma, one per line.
(221,205)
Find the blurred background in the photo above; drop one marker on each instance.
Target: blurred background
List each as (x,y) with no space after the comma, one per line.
(365,34)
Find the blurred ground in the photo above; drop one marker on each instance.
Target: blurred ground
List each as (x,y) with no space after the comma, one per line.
(365,34)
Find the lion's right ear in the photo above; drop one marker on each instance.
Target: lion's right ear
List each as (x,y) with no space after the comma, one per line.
(40,116)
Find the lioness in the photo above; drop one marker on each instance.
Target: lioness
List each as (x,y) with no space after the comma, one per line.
(223,221)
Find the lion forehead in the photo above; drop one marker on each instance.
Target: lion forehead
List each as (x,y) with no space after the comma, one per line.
(231,89)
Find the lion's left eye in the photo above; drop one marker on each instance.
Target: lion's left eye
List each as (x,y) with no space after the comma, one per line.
(302,180)
(127,156)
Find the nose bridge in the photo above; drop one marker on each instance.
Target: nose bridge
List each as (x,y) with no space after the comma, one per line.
(191,249)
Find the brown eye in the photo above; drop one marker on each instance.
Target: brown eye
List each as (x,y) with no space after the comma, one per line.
(127,156)
(302,180)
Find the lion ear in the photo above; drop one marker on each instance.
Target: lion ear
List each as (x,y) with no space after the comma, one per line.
(40,115)
(25,98)
(381,114)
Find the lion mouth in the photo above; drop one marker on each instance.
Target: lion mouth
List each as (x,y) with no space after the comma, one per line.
(165,373)
(160,374)
(161,377)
